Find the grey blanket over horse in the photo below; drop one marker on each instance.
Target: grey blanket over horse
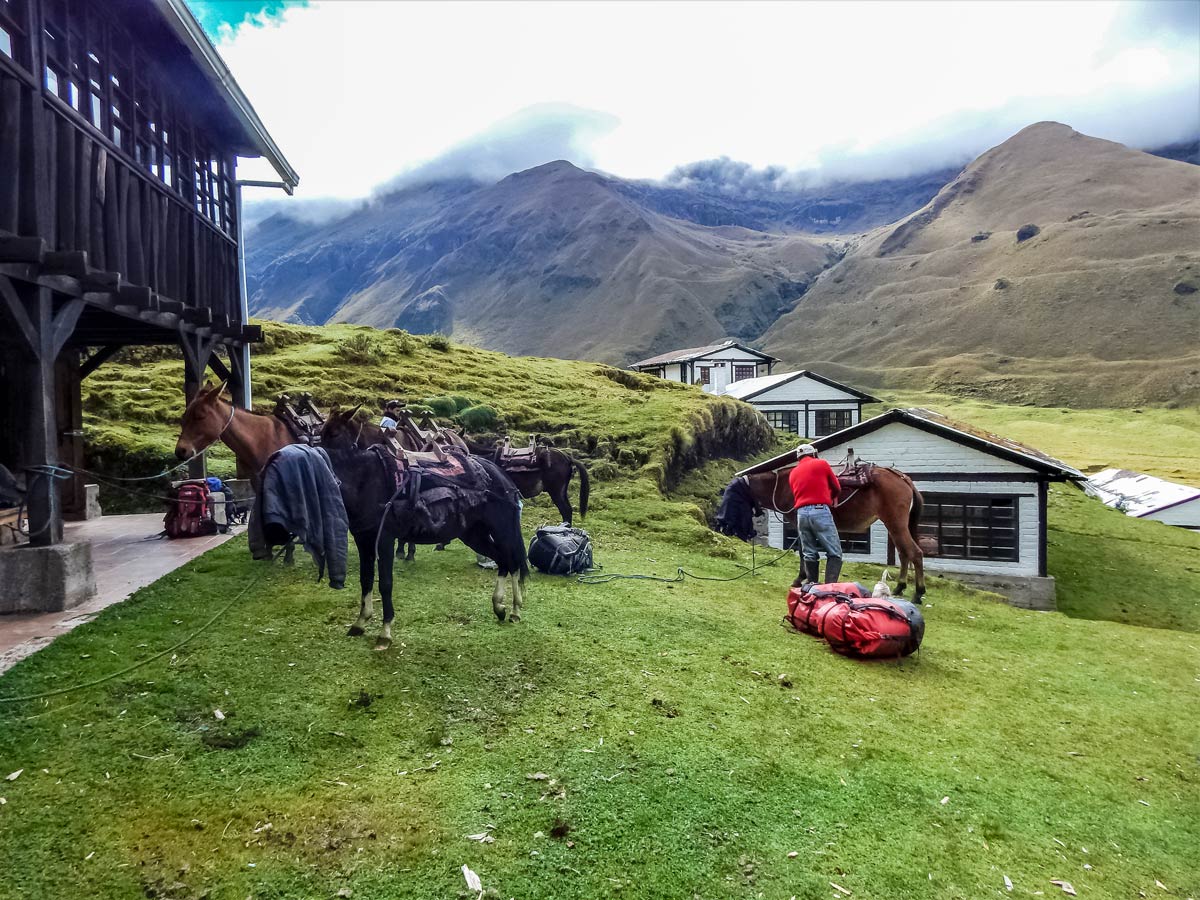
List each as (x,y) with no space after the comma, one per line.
(300,496)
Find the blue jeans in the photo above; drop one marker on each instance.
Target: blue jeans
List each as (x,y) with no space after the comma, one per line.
(817,532)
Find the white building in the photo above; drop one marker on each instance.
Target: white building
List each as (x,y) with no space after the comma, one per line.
(802,402)
(985,499)
(1147,497)
(713,367)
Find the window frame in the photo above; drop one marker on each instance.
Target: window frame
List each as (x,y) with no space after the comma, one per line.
(824,428)
(937,525)
(739,368)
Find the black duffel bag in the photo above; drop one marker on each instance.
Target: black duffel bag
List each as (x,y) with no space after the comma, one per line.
(561,550)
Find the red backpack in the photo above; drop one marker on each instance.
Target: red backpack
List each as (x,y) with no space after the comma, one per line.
(855,623)
(188,513)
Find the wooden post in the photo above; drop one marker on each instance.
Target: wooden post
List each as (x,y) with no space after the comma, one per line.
(197,351)
(43,332)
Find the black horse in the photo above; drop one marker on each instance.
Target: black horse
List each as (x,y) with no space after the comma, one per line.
(428,502)
(546,469)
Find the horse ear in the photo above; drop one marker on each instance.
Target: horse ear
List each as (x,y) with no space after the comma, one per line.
(220,388)
(350,413)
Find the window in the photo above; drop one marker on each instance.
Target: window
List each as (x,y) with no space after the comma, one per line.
(972,526)
(784,420)
(12,42)
(856,541)
(831,420)
(705,375)
(740,372)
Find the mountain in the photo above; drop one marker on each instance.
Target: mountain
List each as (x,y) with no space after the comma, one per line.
(550,261)
(1056,267)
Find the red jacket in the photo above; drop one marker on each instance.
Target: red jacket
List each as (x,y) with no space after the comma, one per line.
(813,482)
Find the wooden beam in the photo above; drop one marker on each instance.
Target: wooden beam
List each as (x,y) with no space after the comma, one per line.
(97,359)
(63,326)
(17,312)
(22,249)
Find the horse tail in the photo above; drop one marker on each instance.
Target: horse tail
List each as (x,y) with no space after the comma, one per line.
(928,545)
(585,487)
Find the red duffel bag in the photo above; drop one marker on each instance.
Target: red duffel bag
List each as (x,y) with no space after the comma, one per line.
(855,623)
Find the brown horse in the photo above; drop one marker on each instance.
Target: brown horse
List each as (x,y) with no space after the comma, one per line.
(551,471)
(890,497)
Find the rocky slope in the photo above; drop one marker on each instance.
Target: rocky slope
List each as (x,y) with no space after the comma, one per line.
(551,261)
(1055,267)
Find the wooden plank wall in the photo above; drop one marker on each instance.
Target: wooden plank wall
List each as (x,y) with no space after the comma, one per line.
(61,180)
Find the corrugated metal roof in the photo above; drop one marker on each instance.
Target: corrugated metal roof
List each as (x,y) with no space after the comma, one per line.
(928,420)
(746,386)
(1139,494)
(690,353)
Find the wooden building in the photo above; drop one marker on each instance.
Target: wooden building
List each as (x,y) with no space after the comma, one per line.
(985,499)
(120,128)
(804,402)
(713,367)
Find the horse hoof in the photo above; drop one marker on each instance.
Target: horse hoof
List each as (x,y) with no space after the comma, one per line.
(500,612)
(355,631)
(515,617)
(383,643)
(900,589)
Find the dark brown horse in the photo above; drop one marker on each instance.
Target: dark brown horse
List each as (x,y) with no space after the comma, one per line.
(549,470)
(890,497)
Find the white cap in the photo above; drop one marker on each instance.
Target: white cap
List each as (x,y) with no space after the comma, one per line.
(806,450)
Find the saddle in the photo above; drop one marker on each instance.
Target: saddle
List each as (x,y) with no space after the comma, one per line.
(523,459)
(854,473)
(431,492)
(303,420)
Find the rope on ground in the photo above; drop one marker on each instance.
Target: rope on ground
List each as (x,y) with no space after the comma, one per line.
(137,665)
(681,573)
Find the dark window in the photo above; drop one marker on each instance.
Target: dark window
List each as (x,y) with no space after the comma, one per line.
(852,542)
(785,420)
(856,541)
(831,420)
(705,375)
(740,372)
(12,34)
(972,526)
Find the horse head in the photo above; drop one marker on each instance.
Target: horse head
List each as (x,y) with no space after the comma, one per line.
(339,431)
(203,422)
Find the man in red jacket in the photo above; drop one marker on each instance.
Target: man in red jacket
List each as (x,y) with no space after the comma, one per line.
(814,491)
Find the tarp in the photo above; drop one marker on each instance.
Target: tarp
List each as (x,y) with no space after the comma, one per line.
(855,623)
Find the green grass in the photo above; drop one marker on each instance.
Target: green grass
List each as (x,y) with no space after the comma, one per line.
(681,762)
(678,759)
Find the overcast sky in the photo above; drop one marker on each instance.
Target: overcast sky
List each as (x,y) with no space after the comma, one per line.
(358,94)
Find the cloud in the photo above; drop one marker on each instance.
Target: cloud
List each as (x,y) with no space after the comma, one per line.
(364,95)
(532,136)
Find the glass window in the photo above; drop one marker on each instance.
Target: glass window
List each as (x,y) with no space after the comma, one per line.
(705,375)
(831,420)
(785,420)
(740,372)
(972,526)
(5,43)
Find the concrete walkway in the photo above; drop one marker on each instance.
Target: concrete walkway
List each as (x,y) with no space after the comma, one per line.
(125,557)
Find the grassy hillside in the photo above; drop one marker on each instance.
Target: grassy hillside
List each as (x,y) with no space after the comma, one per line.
(639,739)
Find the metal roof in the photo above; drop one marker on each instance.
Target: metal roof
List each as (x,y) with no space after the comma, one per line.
(1138,494)
(935,423)
(189,31)
(675,356)
(747,388)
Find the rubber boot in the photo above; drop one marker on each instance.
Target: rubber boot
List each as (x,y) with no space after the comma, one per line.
(833,569)
(812,570)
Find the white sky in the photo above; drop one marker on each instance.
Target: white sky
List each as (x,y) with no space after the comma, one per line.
(356,93)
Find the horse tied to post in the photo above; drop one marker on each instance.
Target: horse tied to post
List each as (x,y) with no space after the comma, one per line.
(870,493)
(425,499)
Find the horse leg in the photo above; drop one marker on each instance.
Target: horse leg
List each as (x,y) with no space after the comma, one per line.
(518,597)
(387,555)
(498,599)
(411,553)
(902,578)
(910,552)
(365,542)
(919,570)
(478,539)
(562,499)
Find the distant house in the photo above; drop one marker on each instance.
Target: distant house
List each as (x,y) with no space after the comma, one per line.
(802,402)
(713,367)
(985,499)
(1147,497)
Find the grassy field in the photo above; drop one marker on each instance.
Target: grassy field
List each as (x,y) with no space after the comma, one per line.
(678,741)
(635,740)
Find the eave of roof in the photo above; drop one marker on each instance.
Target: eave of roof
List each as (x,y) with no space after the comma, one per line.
(805,373)
(689,354)
(1139,494)
(1026,456)
(189,31)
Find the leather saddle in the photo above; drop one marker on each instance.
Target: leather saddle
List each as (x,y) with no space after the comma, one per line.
(302,419)
(513,458)
(855,473)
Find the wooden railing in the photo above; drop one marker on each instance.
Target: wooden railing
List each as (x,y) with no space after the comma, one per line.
(64,181)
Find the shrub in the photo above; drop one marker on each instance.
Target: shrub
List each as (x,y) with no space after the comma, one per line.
(404,341)
(635,381)
(1025,232)
(444,407)
(437,342)
(461,402)
(479,418)
(361,350)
